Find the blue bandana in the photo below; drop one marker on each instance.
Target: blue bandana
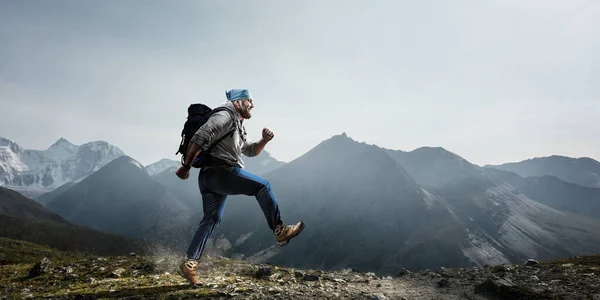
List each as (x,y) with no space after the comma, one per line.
(237,94)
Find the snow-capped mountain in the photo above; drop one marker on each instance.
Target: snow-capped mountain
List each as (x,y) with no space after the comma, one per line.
(161,165)
(45,170)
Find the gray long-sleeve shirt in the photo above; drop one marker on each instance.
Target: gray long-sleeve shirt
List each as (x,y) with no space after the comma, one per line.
(231,148)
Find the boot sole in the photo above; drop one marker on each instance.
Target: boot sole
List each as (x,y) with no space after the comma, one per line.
(283,243)
(180,272)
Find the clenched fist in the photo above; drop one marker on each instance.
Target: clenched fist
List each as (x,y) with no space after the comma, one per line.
(267,134)
(183,172)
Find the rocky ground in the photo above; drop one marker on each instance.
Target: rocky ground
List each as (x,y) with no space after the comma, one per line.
(30,271)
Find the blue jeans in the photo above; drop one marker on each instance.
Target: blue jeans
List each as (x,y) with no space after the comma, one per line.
(215,185)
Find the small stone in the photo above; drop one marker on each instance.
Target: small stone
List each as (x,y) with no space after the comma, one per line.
(403,272)
(118,272)
(495,285)
(535,278)
(567,265)
(443,282)
(263,272)
(132,254)
(276,276)
(310,277)
(531,262)
(376,296)
(41,267)
(500,269)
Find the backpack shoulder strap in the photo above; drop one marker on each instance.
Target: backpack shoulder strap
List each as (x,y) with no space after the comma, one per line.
(230,133)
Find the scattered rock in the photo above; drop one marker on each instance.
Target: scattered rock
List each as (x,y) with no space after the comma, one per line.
(276,276)
(376,296)
(263,271)
(495,285)
(506,289)
(567,265)
(500,269)
(118,272)
(403,272)
(41,267)
(310,277)
(443,282)
(531,262)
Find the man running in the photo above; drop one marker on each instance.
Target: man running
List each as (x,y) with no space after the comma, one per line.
(224,175)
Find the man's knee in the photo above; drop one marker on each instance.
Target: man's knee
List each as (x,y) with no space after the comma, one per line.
(211,219)
(264,187)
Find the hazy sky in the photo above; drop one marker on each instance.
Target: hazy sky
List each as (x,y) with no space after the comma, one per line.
(493,81)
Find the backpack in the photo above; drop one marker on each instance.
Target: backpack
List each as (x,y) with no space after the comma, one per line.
(198,114)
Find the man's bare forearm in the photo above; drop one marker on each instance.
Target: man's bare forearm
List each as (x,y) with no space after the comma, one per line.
(192,151)
(259,146)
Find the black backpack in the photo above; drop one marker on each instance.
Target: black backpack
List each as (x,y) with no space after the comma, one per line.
(198,114)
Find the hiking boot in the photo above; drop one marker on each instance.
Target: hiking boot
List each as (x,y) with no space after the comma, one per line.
(187,270)
(284,233)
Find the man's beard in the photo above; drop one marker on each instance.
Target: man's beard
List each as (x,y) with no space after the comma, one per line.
(246,114)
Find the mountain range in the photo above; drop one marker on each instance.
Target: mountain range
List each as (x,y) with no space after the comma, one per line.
(371,208)
(38,171)
(582,171)
(365,207)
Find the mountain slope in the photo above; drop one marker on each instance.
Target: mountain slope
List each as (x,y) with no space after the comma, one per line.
(121,198)
(24,219)
(434,166)
(14,204)
(551,191)
(503,225)
(46,198)
(361,208)
(582,171)
(44,170)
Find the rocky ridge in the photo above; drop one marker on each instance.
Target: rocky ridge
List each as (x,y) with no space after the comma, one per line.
(68,276)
